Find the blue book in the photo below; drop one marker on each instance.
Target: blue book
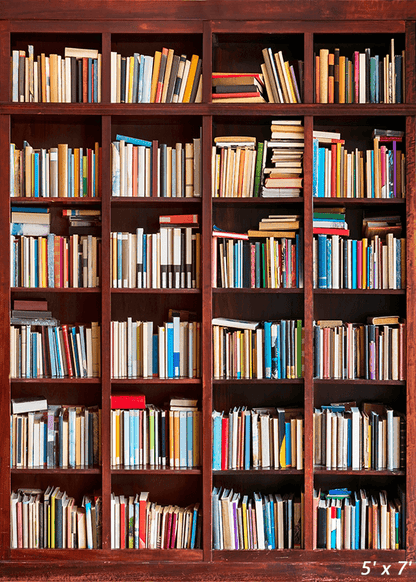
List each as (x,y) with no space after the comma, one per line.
(398,264)
(322,260)
(247,443)
(373,80)
(377,75)
(321,173)
(329,263)
(136,522)
(30,209)
(144,280)
(36,175)
(190,438)
(169,352)
(216,535)
(352,538)
(134,140)
(77,364)
(126,437)
(258,264)
(267,524)
(95,83)
(288,441)
(155,354)
(51,352)
(357,520)
(36,252)
(194,522)
(391,174)
(132,437)
(89,81)
(278,351)
(182,439)
(267,350)
(140,83)
(315,168)
(398,62)
(59,367)
(272,523)
(216,440)
(345,253)
(283,348)
(354,264)
(176,345)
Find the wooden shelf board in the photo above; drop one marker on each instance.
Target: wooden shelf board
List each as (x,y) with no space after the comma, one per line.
(260,381)
(282,291)
(55,201)
(359,291)
(155,471)
(155,381)
(55,290)
(360,381)
(57,471)
(55,380)
(157,291)
(361,472)
(274,472)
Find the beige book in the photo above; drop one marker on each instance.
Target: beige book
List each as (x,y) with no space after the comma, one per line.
(53,71)
(267,83)
(323,75)
(80,53)
(168,70)
(63,170)
(189,170)
(81,528)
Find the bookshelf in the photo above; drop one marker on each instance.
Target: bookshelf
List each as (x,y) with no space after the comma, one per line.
(229,37)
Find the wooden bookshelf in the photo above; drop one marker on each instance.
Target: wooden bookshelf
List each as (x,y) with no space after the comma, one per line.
(228,35)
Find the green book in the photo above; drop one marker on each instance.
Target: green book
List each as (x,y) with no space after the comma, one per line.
(259,163)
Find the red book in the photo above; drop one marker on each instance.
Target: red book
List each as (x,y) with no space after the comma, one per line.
(56,256)
(126,401)
(122,525)
(179,219)
(333,170)
(359,264)
(144,495)
(173,538)
(67,351)
(85,80)
(61,261)
(356,77)
(224,443)
(340,231)
(219,96)
(19,511)
(168,531)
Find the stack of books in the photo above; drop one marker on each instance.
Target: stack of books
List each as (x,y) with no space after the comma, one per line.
(138,523)
(147,436)
(359,78)
(58,172)
(51,520)
(169,259)
(163,78)
(330,221)
(172,352)
(73,78)
(141,168)
(376,173)
(264,522)
(282,168)
(378,261)
(280,78)
(235,166)
(271,263)
(346,437)
(374,351)
(55,261)
(360,520)
(54,435)
(30,221)
(83,220)
(249,349)
(42,348)
(238,88)
(261,438)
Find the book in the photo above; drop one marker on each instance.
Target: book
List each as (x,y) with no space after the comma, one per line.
(28,404)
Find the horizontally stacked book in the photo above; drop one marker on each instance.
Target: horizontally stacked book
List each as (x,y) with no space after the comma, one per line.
(138,523)
(273,262)
(173,352)
(52,260)
(168,259)
(53,435)
(51,519)
(40,347)
(152,437)
(141,168)
(359,520)
(346,437)
(282,170)
(263,522)
(374,351)
(377,261)
(359,77)
(57,172)
(244,350)
(163,78)
(73,78)
(261,438)
(376,173)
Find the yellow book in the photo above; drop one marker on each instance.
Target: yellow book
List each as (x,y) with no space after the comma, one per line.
(155,75)
(290,83)
(176,438)
(53,74)
(191,78)
(282,453)
(131,71)
(63,170)
(76,173)
(342,79)
(364,269)
(52,523)
(117,435)
(323,74)
(338,170)
(350,91)
(44,262)
(244,512)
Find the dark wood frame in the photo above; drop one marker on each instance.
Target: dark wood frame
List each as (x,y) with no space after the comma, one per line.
(206,19)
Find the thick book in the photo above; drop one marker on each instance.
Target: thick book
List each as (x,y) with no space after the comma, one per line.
(29,404)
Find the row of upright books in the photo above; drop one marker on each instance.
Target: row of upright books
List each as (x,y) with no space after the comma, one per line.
(141,168)
(261,522)
(54,435)
(40,347)
(173,352)
(137,522)
(284,82)
(72,78)
(261,438)
(373,173)
(57,172)
(250,349)
(273,262)
(163,78)
(359,520)
(168,259)
(51,519)
(346,437)
(374,351)
(359,77)
(146,435)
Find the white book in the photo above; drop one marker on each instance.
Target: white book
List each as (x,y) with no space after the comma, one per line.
(355,435)
(362,78)
(113,77)
(147,78)
(176,258)
(141,170)
(155,263)
(184,80)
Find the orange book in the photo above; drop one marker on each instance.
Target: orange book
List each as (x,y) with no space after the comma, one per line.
(53,74)
(331,77)
(63,170)
(161,75)
(191,78)
(176,439)
(317,78)
(155,76)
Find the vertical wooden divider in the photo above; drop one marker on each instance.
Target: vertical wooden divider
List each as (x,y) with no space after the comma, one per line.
(106,294)
(206,343)
(308,319)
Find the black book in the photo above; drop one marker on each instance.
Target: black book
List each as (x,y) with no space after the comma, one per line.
(398,67)
(367,75)
(183,260)
(321,539)
(79,80)
(235,89)
(123,80)
(172,78)
(73,80)
(336,75)
(30,314)
(246,264)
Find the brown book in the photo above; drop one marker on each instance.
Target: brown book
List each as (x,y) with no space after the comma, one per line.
(279,225)
(53,74)
(271,233)
(63,170)
(30,305)
(384,320)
